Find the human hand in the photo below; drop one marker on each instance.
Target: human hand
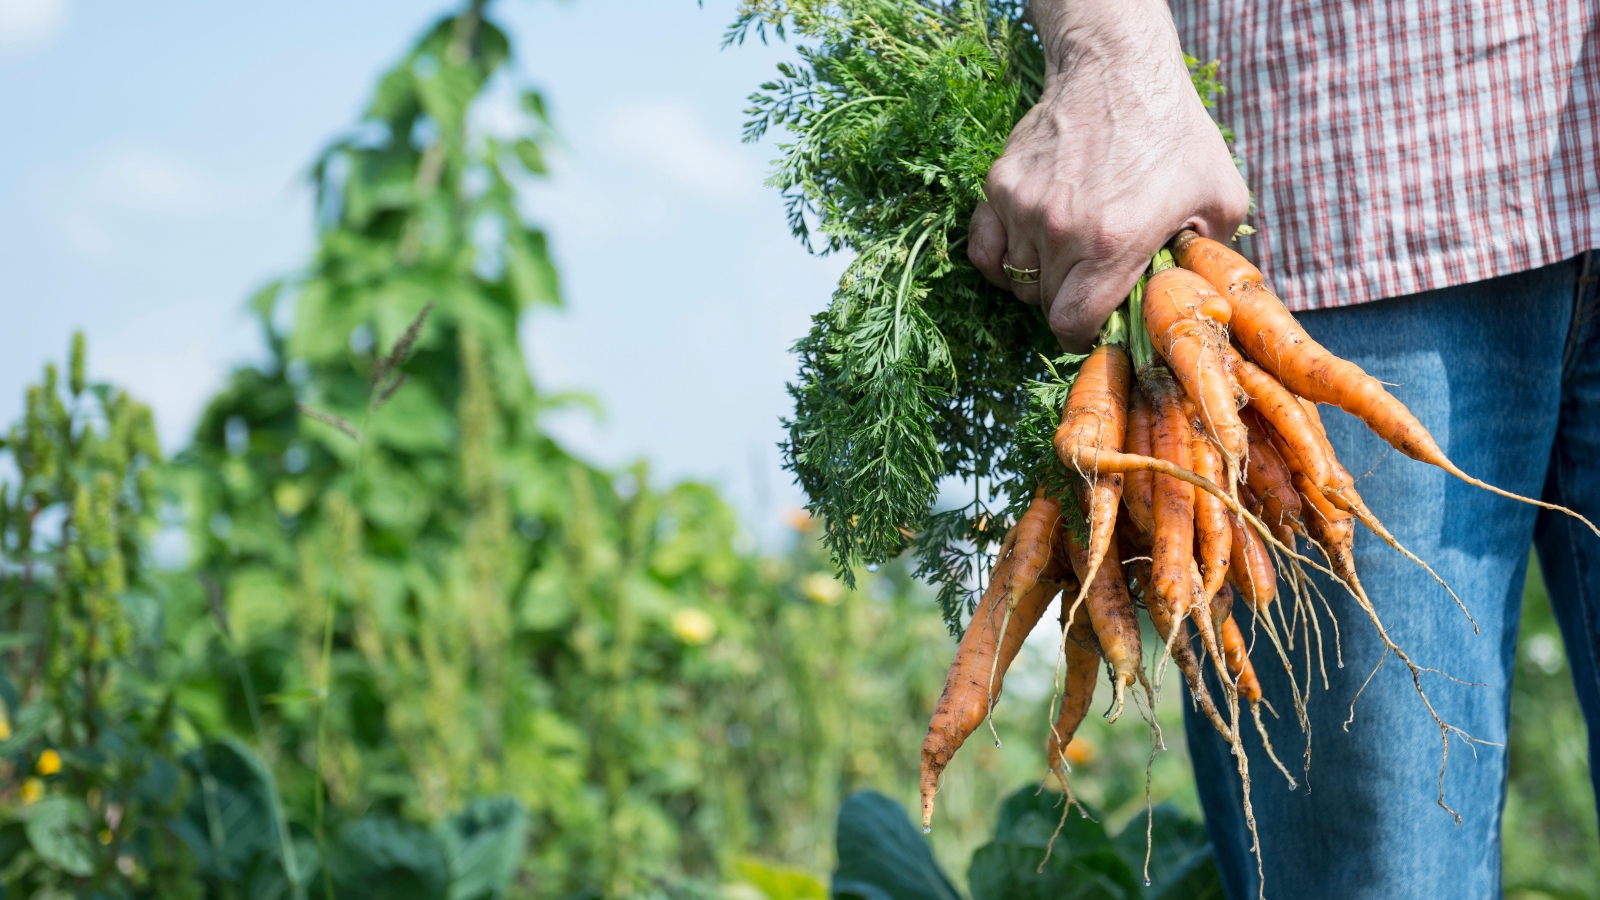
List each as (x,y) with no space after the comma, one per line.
(1117,156)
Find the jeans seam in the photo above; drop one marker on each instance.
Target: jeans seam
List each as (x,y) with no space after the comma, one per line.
(1583,311)
(1573,550)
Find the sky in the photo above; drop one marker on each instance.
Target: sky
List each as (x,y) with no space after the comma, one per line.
(152,163)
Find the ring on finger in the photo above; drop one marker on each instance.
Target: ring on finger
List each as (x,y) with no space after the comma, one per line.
(1020,276)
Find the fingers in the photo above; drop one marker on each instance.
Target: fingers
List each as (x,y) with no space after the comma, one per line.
(986,244)
(1091,290)
(1222,210)
(1022,254)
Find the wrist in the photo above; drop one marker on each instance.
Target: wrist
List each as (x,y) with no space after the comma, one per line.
(1107,34)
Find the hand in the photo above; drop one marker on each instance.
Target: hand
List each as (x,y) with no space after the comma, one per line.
(1116,158)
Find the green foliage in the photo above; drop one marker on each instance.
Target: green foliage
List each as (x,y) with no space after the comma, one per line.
(89,743)
(919,371)
(912,373)
(377,504)
(1041,849)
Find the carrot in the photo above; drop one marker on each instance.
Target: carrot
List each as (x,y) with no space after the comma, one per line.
(1096,418)
(1173,550)
(1270,335)
(1213,537)
(1138,489)
(1031,548)
(1269,477)
(1250,566)
(1221,603)
(1283,412)
(978,670)
(1083,661)
(1239,667)
(1111,613)
(1176,634)
(1331,527)
(1109,461)
(1187,321)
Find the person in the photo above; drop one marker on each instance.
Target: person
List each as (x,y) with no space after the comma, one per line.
(1428,197)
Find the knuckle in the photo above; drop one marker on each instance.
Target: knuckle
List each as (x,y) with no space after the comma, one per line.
(1059,223)
(1102,242)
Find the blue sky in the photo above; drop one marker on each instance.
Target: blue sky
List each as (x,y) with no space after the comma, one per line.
(151,176)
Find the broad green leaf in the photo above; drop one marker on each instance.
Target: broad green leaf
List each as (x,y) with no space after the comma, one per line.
(483,846)
(882,856)
(388,859)
(1029,818)
(57,828)
(1182,864)
(1006,871)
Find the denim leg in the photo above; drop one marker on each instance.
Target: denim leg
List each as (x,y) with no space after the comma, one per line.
(1568,552)
(1480,365)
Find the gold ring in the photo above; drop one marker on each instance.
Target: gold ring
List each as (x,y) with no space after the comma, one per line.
(1020,276)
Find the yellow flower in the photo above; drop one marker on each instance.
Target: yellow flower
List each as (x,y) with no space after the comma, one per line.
(104,835)
(5,727)
(32,790)
(49,763)
(693,626)
(822,588)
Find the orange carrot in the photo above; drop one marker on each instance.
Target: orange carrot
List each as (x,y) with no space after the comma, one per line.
(1083,661)
(1213,537)
(1031,549)
(1250,565)
(1187,321)
(1175,632)
(1137,491)
(1282,411)
(1111,613)
(1221,604)
(1096,419)
(1332,528)
(1269,477)
(1271,336)
(1173,551)
(1244,674)
(979,669)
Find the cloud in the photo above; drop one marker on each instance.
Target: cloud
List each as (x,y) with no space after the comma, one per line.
(144,180)
(30,24)
(96,202)
(670,138)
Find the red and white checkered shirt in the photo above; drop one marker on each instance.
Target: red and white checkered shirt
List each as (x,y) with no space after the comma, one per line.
(1397,146)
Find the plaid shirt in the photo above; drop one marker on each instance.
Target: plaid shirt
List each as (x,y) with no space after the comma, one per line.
(1396,146)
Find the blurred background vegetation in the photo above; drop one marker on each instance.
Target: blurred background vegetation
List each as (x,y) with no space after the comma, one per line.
(374,632)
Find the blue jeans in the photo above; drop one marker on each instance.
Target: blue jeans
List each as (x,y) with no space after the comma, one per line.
(1506,374)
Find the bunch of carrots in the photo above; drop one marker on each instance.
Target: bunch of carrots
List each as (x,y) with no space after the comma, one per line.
(1200,466)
